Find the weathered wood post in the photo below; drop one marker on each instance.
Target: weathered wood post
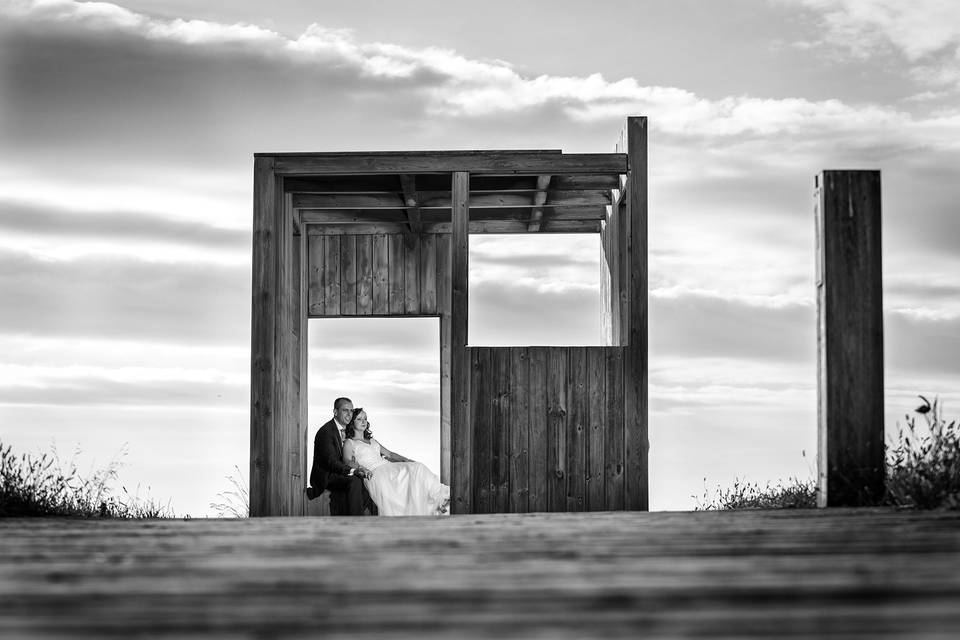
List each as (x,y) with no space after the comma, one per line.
(850,457)
(460,429)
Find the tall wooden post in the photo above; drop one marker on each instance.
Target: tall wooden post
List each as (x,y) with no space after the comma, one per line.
(849,338)
(635,374)
(460,430)
(276,485)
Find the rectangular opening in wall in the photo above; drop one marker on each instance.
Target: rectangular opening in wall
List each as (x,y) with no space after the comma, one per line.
(388,366)
(535,289)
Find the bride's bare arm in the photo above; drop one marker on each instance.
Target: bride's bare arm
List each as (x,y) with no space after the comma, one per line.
(390,456)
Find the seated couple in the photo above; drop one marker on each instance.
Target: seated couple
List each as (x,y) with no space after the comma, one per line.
(356,469)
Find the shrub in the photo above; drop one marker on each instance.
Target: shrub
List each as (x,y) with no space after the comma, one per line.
(794,494)
(923,466)
(44,486)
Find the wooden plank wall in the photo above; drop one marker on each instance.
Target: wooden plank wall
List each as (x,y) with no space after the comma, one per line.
(548,429)
(377,275)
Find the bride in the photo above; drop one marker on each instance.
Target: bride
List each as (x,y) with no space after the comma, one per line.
(399,486)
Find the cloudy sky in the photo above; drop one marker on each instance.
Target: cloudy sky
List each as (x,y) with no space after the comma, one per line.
(127,134)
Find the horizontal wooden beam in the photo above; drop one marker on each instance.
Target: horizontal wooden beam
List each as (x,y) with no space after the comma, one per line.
(476,226)
(387,184)
(441,200)
(367,216)
(489,162)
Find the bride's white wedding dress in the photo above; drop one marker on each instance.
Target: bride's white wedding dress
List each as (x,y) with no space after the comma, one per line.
(397,488)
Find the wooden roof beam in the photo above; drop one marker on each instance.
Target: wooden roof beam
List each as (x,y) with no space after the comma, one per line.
(409,185)
(479,162)
(539,199)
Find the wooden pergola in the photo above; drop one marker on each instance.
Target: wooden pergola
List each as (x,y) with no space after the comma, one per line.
(386,234)
(538,428)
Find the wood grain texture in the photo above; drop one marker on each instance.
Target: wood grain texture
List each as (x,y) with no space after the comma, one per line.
(480,162)
(836,573)
(460,429)
(850,338)
(332,276)
(540,471)
(444,291)
(263,331)
(348,275)
(428,274)
(364,275)
(556,445)
(381,274)
(396,284)
(519,444)
(411,273)
(578,403)
(596,428)
(635,375)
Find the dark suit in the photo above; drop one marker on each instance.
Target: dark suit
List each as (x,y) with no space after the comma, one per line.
(347,494)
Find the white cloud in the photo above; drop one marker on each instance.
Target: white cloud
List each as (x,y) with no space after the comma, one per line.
(918,28)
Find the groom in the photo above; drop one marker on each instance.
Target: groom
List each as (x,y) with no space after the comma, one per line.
(347,493)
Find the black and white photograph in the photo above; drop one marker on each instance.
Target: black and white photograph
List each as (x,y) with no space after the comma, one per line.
(436,319)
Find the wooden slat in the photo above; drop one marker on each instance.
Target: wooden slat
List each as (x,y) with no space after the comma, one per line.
(364,275)
(460,429)
(578,406)
(331,280)
(411,273)
(443,308)
(428,273)
(596,427)
(636,443)
(482,384)
(490,162)
(519,422)
(316,285)
(539,442)
(395,282)
(613,438)
(381,274)
(500,435)
(850,338)
(348,275)
(557,428)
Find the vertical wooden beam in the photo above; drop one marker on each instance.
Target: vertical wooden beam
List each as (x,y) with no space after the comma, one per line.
(460,428)
(303,383)
(849,338)
(275,356)
(635,376)
(443,287)
(262,333)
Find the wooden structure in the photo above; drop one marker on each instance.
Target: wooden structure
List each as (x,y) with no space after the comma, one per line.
(849,338)
(387,234)
(801,573)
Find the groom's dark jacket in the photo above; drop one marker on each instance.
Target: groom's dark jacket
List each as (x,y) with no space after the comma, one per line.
(327,456)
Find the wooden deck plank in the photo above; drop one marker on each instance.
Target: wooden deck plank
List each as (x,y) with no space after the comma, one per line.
(578,404)
(411,273)
(837,573)
(315,287)
(428,273)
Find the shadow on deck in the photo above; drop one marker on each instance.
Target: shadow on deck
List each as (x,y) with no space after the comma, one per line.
(864,573)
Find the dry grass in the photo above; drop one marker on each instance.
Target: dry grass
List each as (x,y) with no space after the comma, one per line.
(46,486)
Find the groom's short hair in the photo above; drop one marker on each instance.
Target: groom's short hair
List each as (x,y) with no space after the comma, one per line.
(339,402)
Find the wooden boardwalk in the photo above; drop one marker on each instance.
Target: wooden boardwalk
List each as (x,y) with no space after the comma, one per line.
(837,573)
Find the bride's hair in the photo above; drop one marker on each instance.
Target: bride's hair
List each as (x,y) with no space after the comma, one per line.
(349,430)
